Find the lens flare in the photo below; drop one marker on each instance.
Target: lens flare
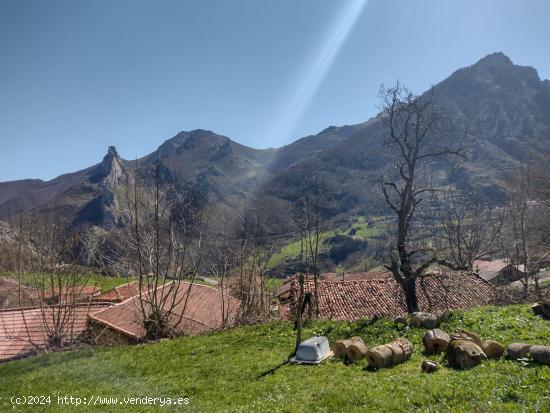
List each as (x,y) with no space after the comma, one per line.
(320,65)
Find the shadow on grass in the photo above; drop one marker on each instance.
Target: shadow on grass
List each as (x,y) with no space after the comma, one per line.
(272,370)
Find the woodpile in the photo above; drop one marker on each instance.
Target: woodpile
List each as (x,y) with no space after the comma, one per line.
(464,354)
(542,308)
(539,354)
(341,346)
(492,349)
(424,320)
(390,354)
(429,366)
(353,348)
(436,341)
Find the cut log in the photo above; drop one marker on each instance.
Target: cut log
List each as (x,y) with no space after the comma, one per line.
(379,357)
(540,354)
(429,366)
(424,320)
(356,350)
(341,346)
(517,351)
(389,354)
(492,349)
(461,336)
(436,341)
(473,336)
(406,345)
(398,355)
(464,354)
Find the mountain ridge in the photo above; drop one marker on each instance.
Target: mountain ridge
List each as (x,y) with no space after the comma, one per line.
(506,107)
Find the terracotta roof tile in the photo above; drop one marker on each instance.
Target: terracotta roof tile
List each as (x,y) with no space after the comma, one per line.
(25,331)
(119,293)
(202,313)
(354,299)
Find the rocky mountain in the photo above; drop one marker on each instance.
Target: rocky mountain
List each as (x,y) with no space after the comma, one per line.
(505,107)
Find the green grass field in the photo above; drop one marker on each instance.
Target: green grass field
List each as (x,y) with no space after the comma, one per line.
(243,370)
(103,282)
(359,223)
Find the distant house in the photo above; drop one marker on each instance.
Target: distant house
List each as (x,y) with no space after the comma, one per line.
(498,271)
(202,309)
(384,297)
(27,331)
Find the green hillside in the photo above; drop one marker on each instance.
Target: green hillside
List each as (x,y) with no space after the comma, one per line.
(243,370)
(361,227)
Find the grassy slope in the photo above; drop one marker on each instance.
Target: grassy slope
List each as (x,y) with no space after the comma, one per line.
(104,282)
(292,249)
(242,370)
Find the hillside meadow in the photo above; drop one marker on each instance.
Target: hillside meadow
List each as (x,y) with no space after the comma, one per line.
(244,370)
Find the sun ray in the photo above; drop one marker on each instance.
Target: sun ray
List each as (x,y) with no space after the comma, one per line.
(320,65)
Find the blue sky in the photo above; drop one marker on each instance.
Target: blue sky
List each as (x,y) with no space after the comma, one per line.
(77,76)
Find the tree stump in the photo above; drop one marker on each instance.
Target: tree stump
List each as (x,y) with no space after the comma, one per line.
(356,350)
(517,351)
(390,354)
(341,346)
(540,354)
(492,349)
(424,320)
(429,366)
(464,354)
(436,341)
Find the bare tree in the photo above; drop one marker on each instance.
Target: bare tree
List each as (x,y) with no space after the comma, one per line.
(419,139)
(252,253)
(310,212)
(160,239)
(468,228)
(53,292)
(522,242)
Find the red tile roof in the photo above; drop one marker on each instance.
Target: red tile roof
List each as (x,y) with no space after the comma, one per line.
(203,311)
(490,269)
(119,293)
(283,292)
(25,331)
(70,294)
(351,300)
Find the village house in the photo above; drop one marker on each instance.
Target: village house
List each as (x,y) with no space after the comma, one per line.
(499,271)
(384,297)
(198,309)
(27,331)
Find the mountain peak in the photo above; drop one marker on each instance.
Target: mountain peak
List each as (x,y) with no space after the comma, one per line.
(497,59)
(111,151)
(109,170)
